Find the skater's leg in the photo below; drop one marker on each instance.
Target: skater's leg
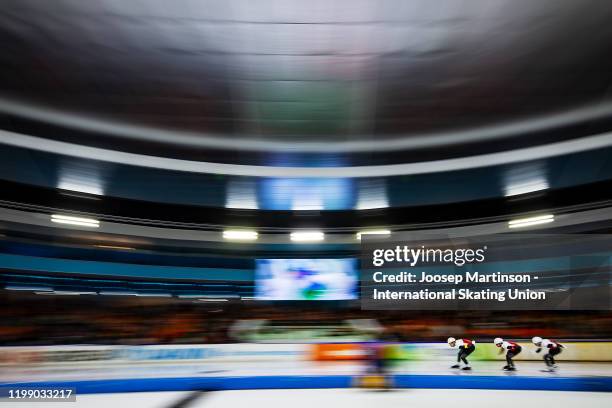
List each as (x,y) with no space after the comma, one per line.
(513,354)
(459,355)
(464,356)
(509,356)
(552,353)
(464,359)
(550,361)
(467,352)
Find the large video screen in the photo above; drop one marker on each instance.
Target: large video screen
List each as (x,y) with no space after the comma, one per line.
(306,279)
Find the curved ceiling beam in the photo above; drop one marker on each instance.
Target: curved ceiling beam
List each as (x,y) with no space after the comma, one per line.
(469,162)
(84,122)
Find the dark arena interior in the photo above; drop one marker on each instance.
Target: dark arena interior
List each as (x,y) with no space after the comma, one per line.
(192,193)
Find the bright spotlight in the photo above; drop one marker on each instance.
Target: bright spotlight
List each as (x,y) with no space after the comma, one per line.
(307,236)
(529,221)
(80,221)
(382,232)
(240,235)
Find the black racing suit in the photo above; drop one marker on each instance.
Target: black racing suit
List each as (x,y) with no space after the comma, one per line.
(512,352)
(465,351)
(553,349)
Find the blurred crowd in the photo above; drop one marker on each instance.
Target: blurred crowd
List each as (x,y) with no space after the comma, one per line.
(46,320)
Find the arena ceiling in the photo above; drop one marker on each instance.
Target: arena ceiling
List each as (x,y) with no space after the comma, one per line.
(288,114)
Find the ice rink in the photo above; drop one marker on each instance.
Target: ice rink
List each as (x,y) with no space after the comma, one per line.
(339,398)
(302,384)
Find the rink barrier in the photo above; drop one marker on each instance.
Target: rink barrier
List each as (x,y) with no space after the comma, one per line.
(119,354)
(590,384)
(243,352)
(573,351)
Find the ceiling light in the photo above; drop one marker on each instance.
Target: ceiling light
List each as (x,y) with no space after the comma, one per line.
(242,194)
(167,295)
(525,178)
(525,187)
(212,300)
(372,194)
(66,292)
(30,288)
(372,204)
(240,235)
(80,187)
(119,247)
(80,221)
(118,293)
(307,236)
(373,232)
(529,221)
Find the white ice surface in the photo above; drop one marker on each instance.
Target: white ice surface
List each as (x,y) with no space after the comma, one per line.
(341,398)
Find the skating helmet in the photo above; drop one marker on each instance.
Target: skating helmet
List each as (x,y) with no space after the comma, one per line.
(537,340)
(451,340)
(498,341)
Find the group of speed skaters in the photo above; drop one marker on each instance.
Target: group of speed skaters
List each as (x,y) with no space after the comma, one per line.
(511,348)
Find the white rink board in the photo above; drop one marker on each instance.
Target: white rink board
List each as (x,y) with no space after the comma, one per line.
(287,368)
(102,355)
(99,355)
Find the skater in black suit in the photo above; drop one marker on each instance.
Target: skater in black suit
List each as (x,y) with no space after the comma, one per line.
(466,347)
